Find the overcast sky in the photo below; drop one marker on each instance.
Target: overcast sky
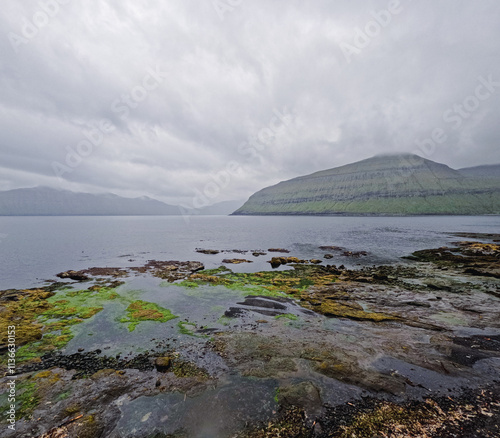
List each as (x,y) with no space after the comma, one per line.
(175,98)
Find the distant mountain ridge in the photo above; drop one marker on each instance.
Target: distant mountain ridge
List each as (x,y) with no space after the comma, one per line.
(45,201)
(482,172)
(403,184)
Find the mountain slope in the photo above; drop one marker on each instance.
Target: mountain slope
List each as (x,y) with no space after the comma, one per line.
(487,171)
(45,201)
(393,184)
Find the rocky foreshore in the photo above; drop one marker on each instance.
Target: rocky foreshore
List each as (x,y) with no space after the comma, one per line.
(171,349)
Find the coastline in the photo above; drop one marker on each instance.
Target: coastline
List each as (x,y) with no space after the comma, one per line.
(329,350)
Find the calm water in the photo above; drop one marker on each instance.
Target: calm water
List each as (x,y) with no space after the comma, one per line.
(33,249)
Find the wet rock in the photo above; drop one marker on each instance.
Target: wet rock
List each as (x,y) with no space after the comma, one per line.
(236,261)
(354,253)
(315,261)
(207,251)
(277,261)
(234,312)
(416,304)
(304,395)
(74,275)
(278,250)
(328,256)
(261,302)
(331,248)
(258,253)
(171,270)
(163,364)
(86,364)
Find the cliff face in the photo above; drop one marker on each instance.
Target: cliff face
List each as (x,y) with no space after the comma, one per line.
(397,184)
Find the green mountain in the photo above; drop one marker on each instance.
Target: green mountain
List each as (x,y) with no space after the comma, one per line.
(402,184)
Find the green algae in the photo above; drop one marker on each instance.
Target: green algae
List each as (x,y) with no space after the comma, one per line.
(186,328)
(225,320)
(26,399)
(139,311)
(44,317)
(290,316)
(183,328)
(266,283)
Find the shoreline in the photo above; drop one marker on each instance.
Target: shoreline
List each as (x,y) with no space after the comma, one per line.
(330,350)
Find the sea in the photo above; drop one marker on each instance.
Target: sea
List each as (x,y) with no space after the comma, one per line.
(33,249)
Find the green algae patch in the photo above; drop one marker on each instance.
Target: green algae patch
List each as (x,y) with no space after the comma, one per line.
(329,308)
(23,312)
(266,283)
(26,399)
(289,316)
(305,282)
(44,317)
(184,328)
(225,320)
(139,311)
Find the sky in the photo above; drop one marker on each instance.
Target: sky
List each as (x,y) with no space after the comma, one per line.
(203,101)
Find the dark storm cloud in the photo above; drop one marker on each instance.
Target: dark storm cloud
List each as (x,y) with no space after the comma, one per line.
(174,98)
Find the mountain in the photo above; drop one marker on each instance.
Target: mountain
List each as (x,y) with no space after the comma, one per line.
(44,201)
(483,172)
(403,184)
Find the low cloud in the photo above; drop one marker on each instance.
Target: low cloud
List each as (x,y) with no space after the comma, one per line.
(181,88)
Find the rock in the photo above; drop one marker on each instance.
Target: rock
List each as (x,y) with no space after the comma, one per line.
(277,261)
(74,275)
(328,256)
(207,251)
(278,250)
(261,302)
(331,248)
(304,395)
(258,253)
(354,253)
(234,312)
(236,261)
(163,364)
(315,261)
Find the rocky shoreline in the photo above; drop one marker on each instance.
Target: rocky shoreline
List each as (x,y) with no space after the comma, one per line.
(314,350)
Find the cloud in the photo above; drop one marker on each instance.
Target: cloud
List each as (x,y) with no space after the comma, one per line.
(220,78)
